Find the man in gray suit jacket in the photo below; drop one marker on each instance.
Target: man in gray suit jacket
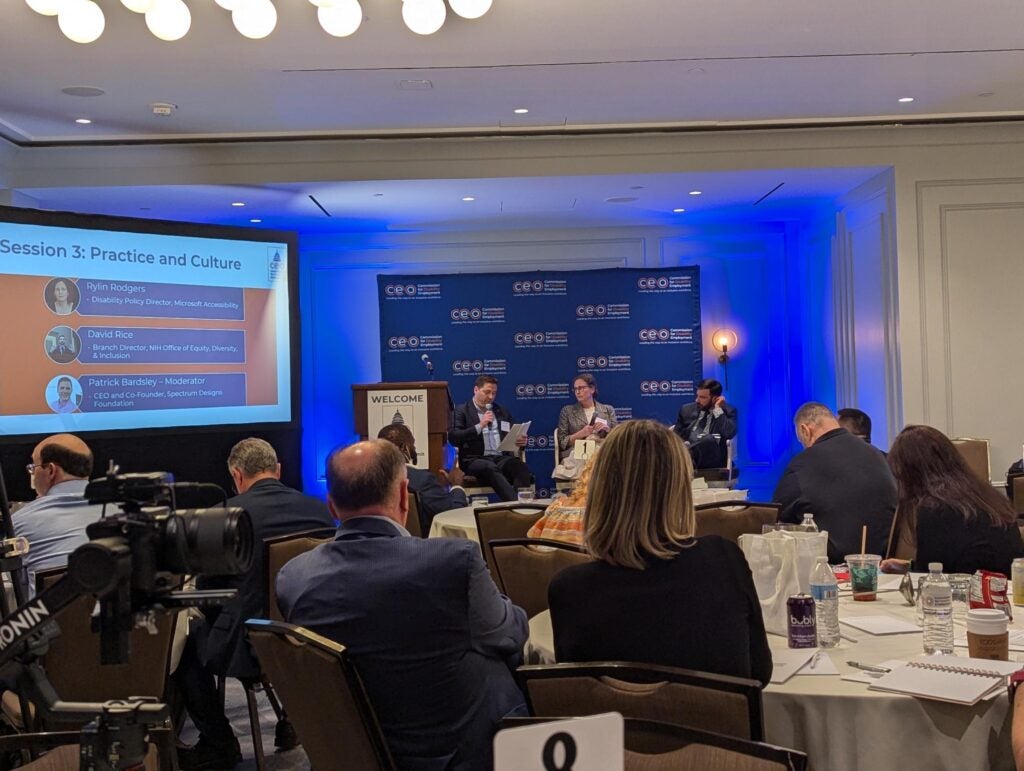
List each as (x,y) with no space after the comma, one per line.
(432,638)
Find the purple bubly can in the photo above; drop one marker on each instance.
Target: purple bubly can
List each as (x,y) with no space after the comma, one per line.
(803,628)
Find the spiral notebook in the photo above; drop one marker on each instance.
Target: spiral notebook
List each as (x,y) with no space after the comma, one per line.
(947,678)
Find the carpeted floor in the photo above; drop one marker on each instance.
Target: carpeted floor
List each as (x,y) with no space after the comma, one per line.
(238,714)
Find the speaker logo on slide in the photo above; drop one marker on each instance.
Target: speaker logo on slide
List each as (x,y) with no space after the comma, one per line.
(415,343)
(665,336)
(663,284)
(477,315)
(541,339)
(542,391)
(601,312)
(412,291)
(538,287)
(666,388)
(476,367)
(621,363)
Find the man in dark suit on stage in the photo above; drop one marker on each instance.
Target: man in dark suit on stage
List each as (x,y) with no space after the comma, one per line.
(479,426)
(430,635)
(706,424)
(217,644)
(432,496)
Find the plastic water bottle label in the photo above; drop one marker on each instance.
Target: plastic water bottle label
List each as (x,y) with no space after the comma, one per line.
(824,592)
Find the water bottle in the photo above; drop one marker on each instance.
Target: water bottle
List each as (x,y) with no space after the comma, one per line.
(825,592)
(808,525)
(937,608)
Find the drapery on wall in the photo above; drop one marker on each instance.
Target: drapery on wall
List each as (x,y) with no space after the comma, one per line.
(637,331)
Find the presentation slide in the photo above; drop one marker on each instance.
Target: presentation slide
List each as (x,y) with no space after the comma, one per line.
(117,329)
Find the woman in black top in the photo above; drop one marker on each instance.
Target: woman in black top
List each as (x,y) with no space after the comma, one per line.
(953,516)
(655,594)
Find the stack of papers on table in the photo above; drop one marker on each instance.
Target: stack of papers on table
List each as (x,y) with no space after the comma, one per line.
(947,678)
(800,661)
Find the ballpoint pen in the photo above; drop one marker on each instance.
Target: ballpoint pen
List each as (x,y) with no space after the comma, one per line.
(869,668)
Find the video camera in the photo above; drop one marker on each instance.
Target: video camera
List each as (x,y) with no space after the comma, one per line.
(133,563)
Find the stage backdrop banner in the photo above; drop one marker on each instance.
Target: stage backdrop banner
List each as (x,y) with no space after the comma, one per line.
(637,331)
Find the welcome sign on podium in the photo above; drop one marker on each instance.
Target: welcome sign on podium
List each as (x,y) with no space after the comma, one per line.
(424,408)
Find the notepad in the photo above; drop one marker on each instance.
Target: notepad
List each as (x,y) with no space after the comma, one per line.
(947,678)
(880,624)
(787,662)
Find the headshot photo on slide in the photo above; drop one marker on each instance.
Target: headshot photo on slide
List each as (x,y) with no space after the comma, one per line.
(64,394)
(61,295)
(62,344)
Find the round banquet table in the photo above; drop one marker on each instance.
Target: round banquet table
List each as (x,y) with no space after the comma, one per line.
(460,523)
(841,725)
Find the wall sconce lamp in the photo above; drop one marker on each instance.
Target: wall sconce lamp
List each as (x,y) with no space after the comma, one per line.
(723,341)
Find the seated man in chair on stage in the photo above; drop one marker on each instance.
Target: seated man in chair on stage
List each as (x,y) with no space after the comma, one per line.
(479,426)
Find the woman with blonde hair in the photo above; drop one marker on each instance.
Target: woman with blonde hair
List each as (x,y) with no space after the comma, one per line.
(655,593)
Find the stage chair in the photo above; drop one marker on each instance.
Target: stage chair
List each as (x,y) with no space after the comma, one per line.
(701,700)
(728,475)
(731,519)
(525,567)
(504,520)
(976,453)
(654,746)
(324,695)
(473,486)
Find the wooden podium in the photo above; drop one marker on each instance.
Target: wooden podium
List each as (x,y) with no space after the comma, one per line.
(424,407)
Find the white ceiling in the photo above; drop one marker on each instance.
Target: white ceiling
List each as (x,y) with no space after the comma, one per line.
(576,64)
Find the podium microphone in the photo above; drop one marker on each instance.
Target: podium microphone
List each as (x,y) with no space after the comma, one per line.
(428,364)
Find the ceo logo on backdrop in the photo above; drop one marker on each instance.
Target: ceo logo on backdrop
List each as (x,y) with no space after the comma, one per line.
(479,367)
(535,287)
(542,391)
(409,291)
(666,388)
(664,284)
(588,312)
(603,362)
(661,335)
(477,315)
(415,343)
(540,339)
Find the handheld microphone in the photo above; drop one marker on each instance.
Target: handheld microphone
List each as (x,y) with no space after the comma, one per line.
(488,408)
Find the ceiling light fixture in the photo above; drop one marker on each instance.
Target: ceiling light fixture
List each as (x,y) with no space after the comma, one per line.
(255,220)
(468,198)
(238,203)
(83,21)
(678,211)
(696,192)
(83,121)
(520,111)
(905,99)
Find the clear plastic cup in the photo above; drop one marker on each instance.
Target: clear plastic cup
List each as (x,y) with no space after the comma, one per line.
(526,494)
(863,576)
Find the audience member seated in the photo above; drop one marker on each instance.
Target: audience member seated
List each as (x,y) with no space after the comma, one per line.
(432,638)
(563,518)
(54,523)
(217,644)
(706,424)
(952,515)
(655,594)
(433,498)
(479,426)
(857,422)
(587,419)
(840,479)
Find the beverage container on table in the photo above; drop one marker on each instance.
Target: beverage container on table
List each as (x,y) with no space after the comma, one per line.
(863,575)
(988,590)
(937,607)
(803,630)
(526,494)
(987,635)
(808,525)
(479,500)
(1017,577)
(825,592)
(960,583)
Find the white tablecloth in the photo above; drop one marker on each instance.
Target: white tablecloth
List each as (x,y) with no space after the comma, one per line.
(842,725)
(460,523)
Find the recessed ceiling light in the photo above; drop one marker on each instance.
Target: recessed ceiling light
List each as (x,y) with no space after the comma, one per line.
(468,198)
(520,111)
(255,220)
(83,91)
(636,187)
(83,121)
(238,203)
(678,211)
(696,192)
(378,195)
(906,99)
(621,199)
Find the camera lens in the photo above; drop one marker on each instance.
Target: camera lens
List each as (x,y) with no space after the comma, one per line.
(215,541)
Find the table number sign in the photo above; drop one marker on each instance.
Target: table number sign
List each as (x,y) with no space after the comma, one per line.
(593,743)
